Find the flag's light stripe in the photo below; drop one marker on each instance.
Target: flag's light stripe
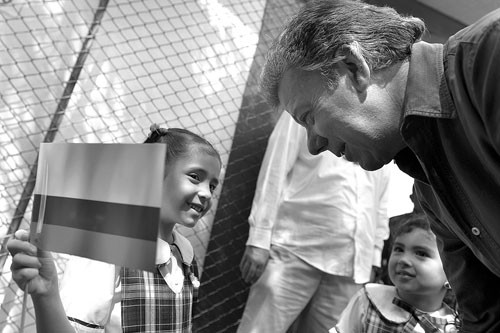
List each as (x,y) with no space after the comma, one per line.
(104,217)
(121,251)
(122,173)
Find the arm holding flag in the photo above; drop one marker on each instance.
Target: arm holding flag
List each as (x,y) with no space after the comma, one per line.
(35,269)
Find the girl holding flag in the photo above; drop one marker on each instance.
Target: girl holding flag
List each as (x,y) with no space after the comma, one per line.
(100,297)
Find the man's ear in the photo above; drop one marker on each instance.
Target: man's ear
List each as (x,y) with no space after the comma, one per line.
(357,67)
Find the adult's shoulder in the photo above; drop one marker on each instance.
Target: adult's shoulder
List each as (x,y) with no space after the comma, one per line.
(476,31)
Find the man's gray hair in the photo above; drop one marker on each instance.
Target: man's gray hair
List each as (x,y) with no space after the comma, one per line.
(323,32)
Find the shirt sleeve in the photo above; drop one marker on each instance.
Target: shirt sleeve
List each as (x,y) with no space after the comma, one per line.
(382,227)
(281,152)
(353,317)
(87,292)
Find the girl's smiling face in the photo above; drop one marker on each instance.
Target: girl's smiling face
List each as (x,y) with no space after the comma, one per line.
(415,266)
(188,188)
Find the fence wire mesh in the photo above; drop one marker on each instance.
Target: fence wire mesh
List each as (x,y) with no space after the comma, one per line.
(101,71)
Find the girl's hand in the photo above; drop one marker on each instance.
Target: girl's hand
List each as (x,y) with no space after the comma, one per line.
(31,267)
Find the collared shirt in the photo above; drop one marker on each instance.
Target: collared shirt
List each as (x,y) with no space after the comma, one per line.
(91,290)
(372,309)
(326,210)
(451,124)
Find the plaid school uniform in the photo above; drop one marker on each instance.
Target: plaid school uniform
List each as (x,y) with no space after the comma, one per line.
(92,292)
(149,305)
(376,323)
(384,312)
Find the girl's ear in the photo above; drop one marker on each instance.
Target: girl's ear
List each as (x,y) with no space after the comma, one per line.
(357,67)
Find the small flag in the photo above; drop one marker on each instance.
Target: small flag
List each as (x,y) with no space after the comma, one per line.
(99,201)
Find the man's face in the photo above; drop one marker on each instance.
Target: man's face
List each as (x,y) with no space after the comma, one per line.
(362,126)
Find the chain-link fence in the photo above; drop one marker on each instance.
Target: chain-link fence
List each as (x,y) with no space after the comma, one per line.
(103,71)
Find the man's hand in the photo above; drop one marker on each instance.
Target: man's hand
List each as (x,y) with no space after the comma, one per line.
(253,263)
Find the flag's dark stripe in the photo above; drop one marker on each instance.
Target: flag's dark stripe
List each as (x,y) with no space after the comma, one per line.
(98,216)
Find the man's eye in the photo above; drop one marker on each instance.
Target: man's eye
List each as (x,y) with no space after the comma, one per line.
(212,188)
(305,117)
(194,176)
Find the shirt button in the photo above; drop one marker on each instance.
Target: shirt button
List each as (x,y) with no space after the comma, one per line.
(475,231)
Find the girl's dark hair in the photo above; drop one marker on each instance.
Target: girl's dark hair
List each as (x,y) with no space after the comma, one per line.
(414,221)
(180,142)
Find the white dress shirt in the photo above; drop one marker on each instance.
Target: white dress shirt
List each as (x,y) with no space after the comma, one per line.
(327,211)
(91,290)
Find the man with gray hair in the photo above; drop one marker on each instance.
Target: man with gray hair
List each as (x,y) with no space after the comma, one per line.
(365,87)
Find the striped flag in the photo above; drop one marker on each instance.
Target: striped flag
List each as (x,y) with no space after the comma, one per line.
(99,201)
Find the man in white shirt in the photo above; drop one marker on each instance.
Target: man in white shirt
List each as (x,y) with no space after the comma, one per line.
(317,229)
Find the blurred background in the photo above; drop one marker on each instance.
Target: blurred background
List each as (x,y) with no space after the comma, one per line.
(102,71)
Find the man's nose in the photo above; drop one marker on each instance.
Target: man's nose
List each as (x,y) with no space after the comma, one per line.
(315,143)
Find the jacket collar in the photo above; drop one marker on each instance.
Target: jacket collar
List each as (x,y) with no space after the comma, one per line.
(426,87)
(426,97)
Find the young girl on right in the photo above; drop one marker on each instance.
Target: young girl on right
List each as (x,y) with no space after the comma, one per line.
(101,297)
(416,301)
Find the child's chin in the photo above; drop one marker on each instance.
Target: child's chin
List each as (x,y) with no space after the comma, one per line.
(191,223)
